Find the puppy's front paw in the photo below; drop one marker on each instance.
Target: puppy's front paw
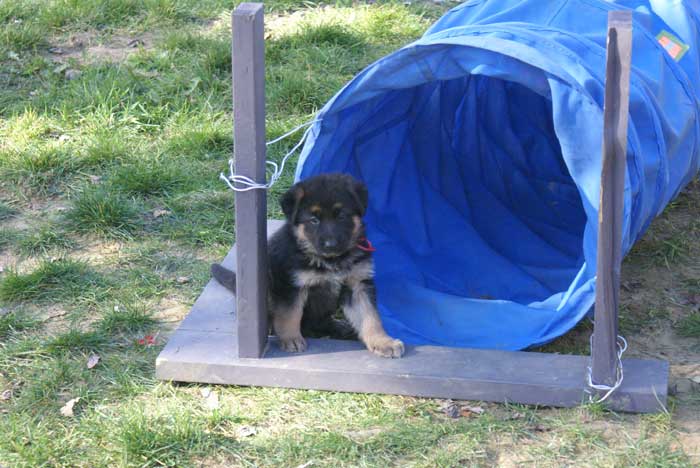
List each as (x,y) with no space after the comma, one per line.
(295,344)
(387,347)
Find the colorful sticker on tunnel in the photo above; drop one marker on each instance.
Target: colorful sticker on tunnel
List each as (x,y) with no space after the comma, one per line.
(674,46)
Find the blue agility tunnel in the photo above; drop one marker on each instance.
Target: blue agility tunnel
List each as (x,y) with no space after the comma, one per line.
(481,147)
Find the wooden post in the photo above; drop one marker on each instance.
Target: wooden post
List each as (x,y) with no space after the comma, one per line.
(248,63)
(612,187)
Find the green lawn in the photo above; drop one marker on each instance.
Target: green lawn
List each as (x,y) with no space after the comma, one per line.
(115,121)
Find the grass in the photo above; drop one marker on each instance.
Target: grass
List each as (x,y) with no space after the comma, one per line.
(12,323)
(103,148)
(109,194)
(168,437)
(151,177)
(8,236)
(7,211)
(102,211)
(61,279)
(45,239)
(201,139)
(127,320)
(200,218)
(40,167)
(689,326)
(75,340)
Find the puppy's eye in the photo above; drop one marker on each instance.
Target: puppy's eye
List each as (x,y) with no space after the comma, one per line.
(314,220)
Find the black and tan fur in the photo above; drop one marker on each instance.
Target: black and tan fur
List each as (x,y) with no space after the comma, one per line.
(316,266)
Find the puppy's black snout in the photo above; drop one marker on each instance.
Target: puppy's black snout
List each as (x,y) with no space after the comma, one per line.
(329,243)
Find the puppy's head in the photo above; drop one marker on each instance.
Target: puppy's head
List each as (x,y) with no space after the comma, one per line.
(326,213)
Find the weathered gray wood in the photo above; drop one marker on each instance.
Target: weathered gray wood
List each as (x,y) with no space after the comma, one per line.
(426,371)
(612,186)
(248,57)
(203,349)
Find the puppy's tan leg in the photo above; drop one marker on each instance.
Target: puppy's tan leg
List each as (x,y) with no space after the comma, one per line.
(361,311)
(286,321)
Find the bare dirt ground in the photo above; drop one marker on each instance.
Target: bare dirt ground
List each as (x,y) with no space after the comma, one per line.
(88,47)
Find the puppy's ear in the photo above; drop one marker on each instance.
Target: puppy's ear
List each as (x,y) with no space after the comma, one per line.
(359,192)
(290,202)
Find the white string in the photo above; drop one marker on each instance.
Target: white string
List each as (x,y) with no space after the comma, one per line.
(233,179)
(621,348)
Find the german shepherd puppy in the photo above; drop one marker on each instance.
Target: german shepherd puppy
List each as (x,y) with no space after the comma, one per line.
(318,261)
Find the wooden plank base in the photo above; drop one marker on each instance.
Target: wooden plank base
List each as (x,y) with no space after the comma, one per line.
(203,350)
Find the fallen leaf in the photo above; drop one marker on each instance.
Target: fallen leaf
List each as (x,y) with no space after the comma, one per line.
(158,213)
(445,403)
(450,409)
(362,435)
(631,285)
(67,409)
(246,431)
(92,361)
(516,416)
(183,279)
(72,74)
(95,179)
(470,410)
(146,73)
(306,465)
(57,314)
(148,340)
(57,50)
(212,401)
(683,386)
(193,85)
(454,410)
(6,395)
(13,55)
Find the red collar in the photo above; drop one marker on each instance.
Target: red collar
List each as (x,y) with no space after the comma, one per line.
(364,244)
